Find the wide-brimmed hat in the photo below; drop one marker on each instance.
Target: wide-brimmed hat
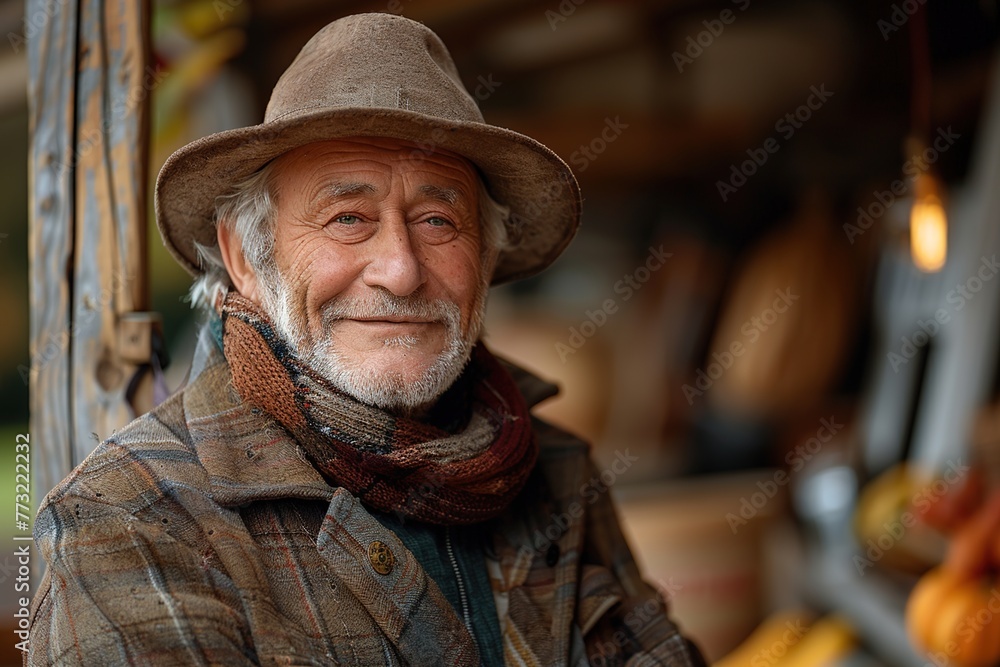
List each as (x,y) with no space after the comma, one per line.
(376,75)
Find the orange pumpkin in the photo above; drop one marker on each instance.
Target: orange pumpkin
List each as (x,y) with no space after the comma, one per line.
(955,618)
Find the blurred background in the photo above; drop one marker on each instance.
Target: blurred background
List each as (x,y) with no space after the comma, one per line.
(778,324)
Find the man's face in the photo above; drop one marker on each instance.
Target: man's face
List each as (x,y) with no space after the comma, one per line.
(381,283)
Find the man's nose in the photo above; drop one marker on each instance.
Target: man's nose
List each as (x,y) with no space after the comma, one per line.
(394,263)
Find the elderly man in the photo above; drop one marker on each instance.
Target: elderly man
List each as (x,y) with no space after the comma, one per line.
(349,476)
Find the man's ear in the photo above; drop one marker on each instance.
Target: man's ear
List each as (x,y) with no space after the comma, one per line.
(490,258)
(242,274)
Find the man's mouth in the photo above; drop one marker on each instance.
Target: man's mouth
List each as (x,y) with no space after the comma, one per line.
(391,321)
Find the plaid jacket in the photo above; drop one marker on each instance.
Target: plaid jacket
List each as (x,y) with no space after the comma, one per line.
(200,535)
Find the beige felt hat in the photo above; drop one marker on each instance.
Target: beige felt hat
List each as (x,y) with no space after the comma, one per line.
(376,75)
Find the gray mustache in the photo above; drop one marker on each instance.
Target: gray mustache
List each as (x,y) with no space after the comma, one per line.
(390,305)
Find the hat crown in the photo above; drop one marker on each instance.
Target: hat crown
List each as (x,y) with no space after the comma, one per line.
(377,61)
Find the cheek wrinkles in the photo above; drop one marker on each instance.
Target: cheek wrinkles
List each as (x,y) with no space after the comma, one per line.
(300,254)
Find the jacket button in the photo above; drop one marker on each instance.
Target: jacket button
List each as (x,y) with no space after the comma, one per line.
(552,555)
(381,557)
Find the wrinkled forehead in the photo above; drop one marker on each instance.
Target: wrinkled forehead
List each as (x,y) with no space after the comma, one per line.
(375,154)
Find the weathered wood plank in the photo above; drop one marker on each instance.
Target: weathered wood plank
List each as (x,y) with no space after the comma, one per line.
(110,243)
(51,98)
(88,93)
(130,86)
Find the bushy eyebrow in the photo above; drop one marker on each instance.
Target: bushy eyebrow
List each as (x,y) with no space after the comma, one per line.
(442,194)
(336,190)
(447,195)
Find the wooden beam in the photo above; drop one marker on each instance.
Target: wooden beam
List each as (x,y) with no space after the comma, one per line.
(51,101)
(88,94)
(113,88)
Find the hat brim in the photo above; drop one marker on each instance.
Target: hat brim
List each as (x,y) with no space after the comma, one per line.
(521,173)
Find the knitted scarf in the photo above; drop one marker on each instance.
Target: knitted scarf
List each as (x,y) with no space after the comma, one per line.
(392,463)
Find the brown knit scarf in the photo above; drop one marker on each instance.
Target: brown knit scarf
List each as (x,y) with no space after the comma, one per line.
(394,464)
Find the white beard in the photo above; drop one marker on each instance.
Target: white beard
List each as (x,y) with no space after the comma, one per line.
(388,390)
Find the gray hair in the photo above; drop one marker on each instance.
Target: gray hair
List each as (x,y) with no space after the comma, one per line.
(248,211)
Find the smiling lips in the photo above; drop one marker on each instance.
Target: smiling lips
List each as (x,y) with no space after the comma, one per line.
(392,326)
(388,320)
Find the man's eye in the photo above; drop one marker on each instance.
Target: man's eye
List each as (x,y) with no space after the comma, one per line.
(350,228)
(435,229)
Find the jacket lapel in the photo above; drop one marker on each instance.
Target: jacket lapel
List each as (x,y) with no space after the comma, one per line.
(248,456)
(538,549)
(385,576)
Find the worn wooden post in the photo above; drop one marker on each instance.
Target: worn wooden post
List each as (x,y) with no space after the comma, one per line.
(51,100)
(89,89)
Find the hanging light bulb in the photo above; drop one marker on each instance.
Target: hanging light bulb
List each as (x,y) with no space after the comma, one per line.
(928,224)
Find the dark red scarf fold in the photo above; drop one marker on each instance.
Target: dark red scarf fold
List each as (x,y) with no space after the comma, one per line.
(392,463)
